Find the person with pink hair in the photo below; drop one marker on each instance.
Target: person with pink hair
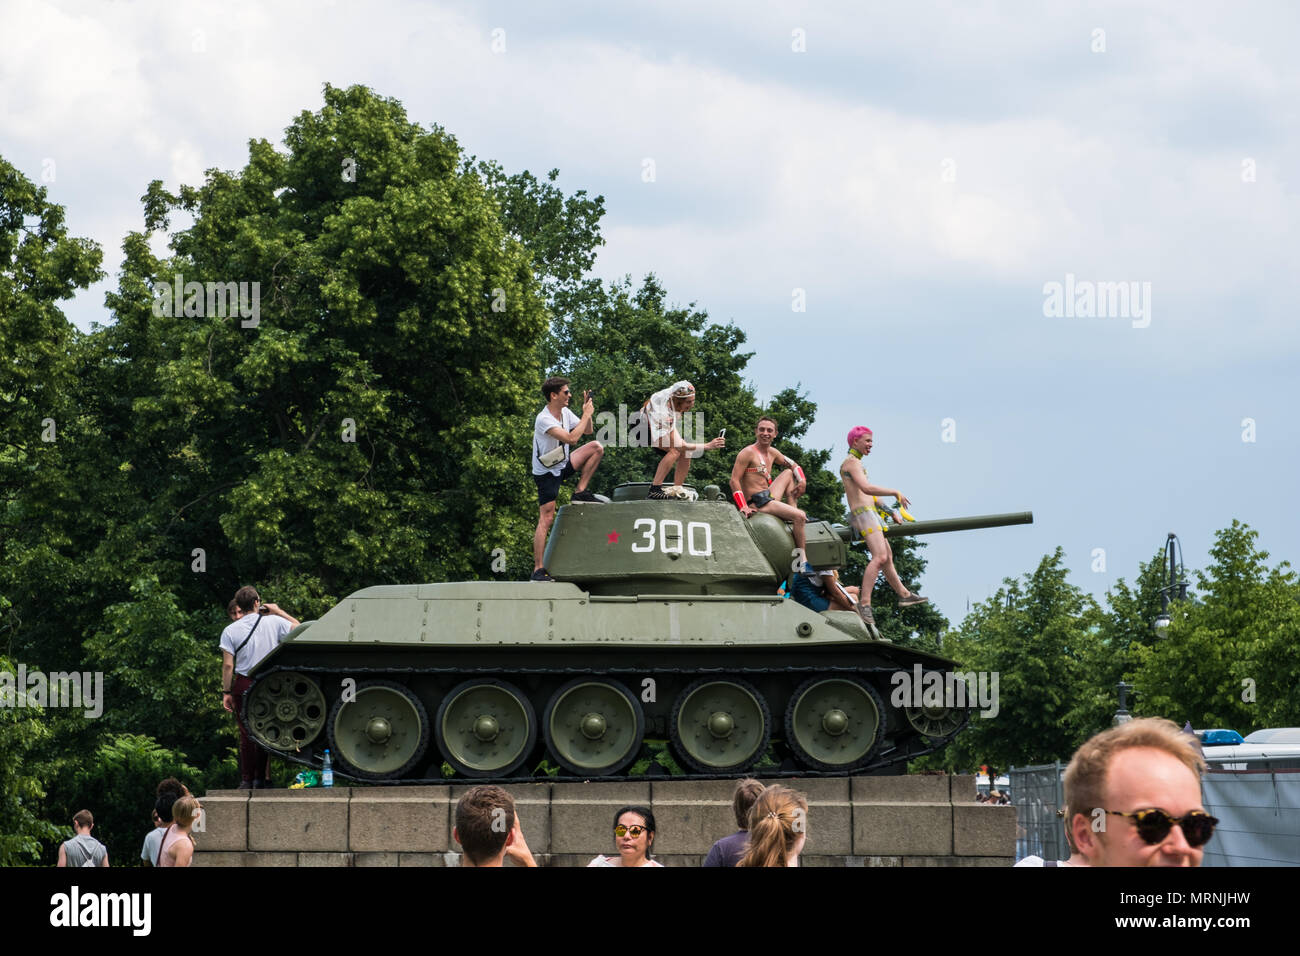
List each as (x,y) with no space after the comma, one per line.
(866,524)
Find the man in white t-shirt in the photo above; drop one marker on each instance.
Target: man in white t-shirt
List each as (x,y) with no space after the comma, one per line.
(254,633)
(555,429)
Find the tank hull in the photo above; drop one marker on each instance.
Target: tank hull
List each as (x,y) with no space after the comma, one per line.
(454,663)
(664,625)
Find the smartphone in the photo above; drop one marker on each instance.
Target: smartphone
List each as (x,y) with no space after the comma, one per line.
(722,434)
(587,395)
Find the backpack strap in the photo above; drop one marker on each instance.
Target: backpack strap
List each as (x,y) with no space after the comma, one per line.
(162,843)
(235,657)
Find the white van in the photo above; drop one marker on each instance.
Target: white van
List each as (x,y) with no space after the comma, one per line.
(1254,756)
(1274,735)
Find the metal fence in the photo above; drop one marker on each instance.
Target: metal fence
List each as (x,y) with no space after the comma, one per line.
(1258,807)
(1037,793)
(1257,803)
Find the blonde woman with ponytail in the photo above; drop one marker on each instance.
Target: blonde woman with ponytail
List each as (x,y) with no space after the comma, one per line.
(778,825)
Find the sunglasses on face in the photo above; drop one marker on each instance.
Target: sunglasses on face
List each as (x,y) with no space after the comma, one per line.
(1154,825)
(635,831)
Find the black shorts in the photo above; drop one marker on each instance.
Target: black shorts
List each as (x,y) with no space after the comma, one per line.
(548,485)
(758,499)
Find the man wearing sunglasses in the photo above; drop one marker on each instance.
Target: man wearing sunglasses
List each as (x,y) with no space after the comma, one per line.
(555,429)
(1133,796)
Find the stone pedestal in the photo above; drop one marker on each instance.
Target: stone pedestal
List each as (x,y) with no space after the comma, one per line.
(919,820)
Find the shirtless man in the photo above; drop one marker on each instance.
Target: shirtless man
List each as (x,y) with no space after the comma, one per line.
(862,515)
(752,486)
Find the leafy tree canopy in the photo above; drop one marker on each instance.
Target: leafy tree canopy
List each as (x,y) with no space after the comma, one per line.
(1228,660)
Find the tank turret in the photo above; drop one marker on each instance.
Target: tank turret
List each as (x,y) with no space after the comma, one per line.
(703,546)
(664,623)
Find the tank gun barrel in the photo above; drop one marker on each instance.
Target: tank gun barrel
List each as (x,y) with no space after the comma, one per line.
(942,525)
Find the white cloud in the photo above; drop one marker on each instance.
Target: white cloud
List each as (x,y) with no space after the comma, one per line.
(760,171)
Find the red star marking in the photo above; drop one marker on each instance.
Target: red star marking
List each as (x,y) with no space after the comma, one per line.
(613,537)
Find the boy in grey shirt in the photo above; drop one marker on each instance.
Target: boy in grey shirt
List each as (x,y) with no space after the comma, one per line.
(83,849)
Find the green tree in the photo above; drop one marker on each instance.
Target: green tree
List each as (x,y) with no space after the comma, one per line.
(371,416)
(1126,625)
(154,679)
(117,784)
(1034,634)
(22,732)
(561,232)
(40,265)
(1228,661)
(41,420)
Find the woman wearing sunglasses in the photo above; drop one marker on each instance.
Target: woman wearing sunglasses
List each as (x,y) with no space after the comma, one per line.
(634,835)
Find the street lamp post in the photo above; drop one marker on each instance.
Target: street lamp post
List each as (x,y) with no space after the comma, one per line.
(1122,716)
(1175,588)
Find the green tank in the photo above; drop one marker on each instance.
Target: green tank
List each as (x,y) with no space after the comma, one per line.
(664,622)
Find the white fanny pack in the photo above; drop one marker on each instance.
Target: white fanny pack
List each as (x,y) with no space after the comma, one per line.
(552,457)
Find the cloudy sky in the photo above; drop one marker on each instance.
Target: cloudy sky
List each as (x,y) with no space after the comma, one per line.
(914,176)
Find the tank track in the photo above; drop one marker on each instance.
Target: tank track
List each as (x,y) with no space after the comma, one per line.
(912,746)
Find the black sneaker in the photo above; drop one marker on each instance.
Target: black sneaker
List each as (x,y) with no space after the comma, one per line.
(584,496)
(657,493)
(541,575)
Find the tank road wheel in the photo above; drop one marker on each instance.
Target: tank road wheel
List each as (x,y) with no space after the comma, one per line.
(834,723)
(285,710)
(486,728)
(935,722)
(720,726)
(593,727)
(381,733)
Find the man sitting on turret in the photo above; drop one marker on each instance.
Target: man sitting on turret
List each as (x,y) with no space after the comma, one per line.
(753,488)
(862,516)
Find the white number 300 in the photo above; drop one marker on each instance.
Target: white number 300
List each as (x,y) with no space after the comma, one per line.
(670,537)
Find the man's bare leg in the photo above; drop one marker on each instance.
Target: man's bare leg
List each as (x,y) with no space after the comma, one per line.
(545,515)
(880,549)
(783,488)
(869,577)
(864,593)
(671,456)
(586,460)
(683,466)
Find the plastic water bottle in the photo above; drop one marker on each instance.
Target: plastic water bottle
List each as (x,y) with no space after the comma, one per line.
(327,771)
